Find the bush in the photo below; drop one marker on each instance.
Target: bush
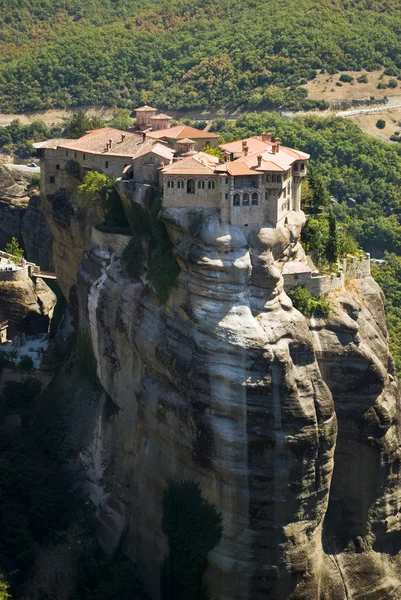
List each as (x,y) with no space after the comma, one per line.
(22,394)
(133,257)
(363,79)
(380,124)
(392,83)
(92,189)
(381,85)
(307,303)
(346,78)
(26,363)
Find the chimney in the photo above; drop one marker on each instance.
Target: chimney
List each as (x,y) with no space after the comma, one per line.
(110,142)
(107,146)
(268,137)
(264,137)
(245,148)
(277,141)
(274,148)
(122,137)
(259,161)
(143,136)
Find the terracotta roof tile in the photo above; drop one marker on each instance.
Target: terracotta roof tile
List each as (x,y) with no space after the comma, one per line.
(181,131)
(198,164)
(144,108)
(123,143)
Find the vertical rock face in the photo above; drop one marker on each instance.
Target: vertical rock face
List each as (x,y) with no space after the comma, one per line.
(289,427)
(21,216)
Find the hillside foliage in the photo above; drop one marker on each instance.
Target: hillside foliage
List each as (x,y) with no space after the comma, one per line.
(187,55)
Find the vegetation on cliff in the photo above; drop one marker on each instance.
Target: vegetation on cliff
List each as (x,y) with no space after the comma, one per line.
(187,55)
(193,527)
(149,230)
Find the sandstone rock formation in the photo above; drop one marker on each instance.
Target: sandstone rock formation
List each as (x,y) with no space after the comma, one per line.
(290,426)
(22,217)
(28,305)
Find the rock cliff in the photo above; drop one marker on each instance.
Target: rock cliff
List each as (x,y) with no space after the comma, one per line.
(21,216)
(290,426)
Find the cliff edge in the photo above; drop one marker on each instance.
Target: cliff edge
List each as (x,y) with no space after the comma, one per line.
(289,425)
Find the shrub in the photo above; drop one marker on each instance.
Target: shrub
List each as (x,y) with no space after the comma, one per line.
(380,124)
(307,303)
(391,71)
(346,78)
(338,84)
(381,85)
(363,79)
(133,257)
(21,394)
(392,83)
(26,363)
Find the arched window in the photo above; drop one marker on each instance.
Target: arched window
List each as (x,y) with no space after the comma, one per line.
(245,199)
(211,185)
(170,183)
(255,199)
(190,186)
(180,184)
(236,200)
(201,184)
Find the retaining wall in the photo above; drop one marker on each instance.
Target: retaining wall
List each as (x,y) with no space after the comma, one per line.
(18,274)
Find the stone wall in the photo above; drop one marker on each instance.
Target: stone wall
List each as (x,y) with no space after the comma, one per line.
(316,284)
(18,274)
(357,267)
(176,197)
(112,242)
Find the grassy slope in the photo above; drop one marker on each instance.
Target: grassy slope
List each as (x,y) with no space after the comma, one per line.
(183,54)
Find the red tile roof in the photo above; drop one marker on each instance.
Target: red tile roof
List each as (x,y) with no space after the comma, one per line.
(123,143)
(181,131)
(145,108)
(198,164)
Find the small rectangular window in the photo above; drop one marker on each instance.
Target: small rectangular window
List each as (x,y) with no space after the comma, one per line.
(302,166)
(274,178)
(84,156)
(278,178)
(226,196)
(66,152)
(51,179)
(58,167)
(226,180)
(267,177)
(211,185)
(106,164)
(75,155)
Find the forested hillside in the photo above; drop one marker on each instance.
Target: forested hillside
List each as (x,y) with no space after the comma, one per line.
(186,55)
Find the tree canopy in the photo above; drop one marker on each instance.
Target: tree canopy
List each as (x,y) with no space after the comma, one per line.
(186,55)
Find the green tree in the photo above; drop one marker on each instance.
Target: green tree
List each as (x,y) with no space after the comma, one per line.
(121,119)
(80,123)
(332,242)
(93,190)
(13,248)
(4,588)
(193,527)
(380,124)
